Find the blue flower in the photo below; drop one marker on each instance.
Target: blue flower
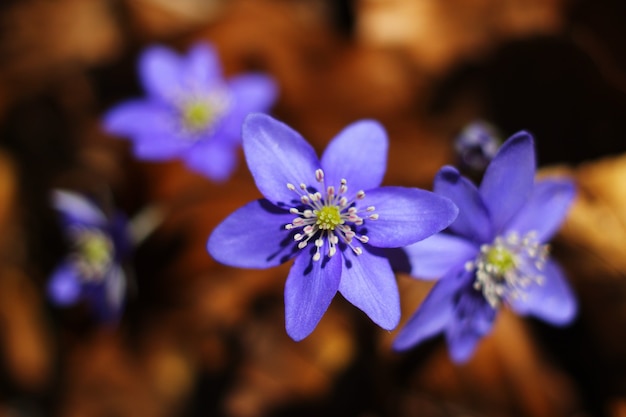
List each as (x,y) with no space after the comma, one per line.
(495,253)
(331,215)
(190,111)
(91,271)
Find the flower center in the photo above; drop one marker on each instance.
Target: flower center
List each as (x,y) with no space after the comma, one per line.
(201,113)
(329,217)
(197,115)
(501,259)
(508,266)
(93,253)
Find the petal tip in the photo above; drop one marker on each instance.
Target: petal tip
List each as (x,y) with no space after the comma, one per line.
(448,174)
(296,335)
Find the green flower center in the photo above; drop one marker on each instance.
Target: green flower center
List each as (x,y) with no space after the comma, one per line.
(197,115)
(328,217)
(93,253)
(501,259)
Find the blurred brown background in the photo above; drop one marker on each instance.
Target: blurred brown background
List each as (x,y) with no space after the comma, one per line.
(201,339)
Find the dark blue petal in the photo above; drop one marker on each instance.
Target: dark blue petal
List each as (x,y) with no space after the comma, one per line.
(202,67)
(95,294)
(120,234)
(435,313)
(358,154)
(405,215)
(553,301)
(254,236)
(473,221)
(508,180)
(368,282)
(161,71)
(251,93)
(436,255)
(139,117)
(473,319)
(309,289)
(64,285)
(277,155)
(546,209)
(213,158)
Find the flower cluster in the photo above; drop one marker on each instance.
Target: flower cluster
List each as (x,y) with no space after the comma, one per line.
(333,217)
(494,253)
(190,111)
(92,270)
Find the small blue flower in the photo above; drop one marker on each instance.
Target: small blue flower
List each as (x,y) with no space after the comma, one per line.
(495,253)
(91,271)
(332,215)
(476,145)
(190,111)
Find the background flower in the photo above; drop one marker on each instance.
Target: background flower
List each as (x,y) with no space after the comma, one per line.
(190,110)
(331,215)
(494,254)
(476,145)
(91,271)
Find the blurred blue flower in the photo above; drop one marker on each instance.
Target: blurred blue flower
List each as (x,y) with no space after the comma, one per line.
(476,145)
(332,215)
(190,110)
(91,272)
(494,253)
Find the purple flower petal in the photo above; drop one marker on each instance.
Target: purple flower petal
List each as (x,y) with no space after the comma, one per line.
(508,180)
(161,71)
(546,209)
(277,155)
(473,319)
(159,147)
(254,236)
(462,342)
(436,255)
(202,67)
(435,312)
(358,154)
(553,301)
(77,209)
(250,93)
(309,289)
(213,158)
(473,220)
(138,117)
(115,287)
(368,282)
(64,286)
(405,215)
